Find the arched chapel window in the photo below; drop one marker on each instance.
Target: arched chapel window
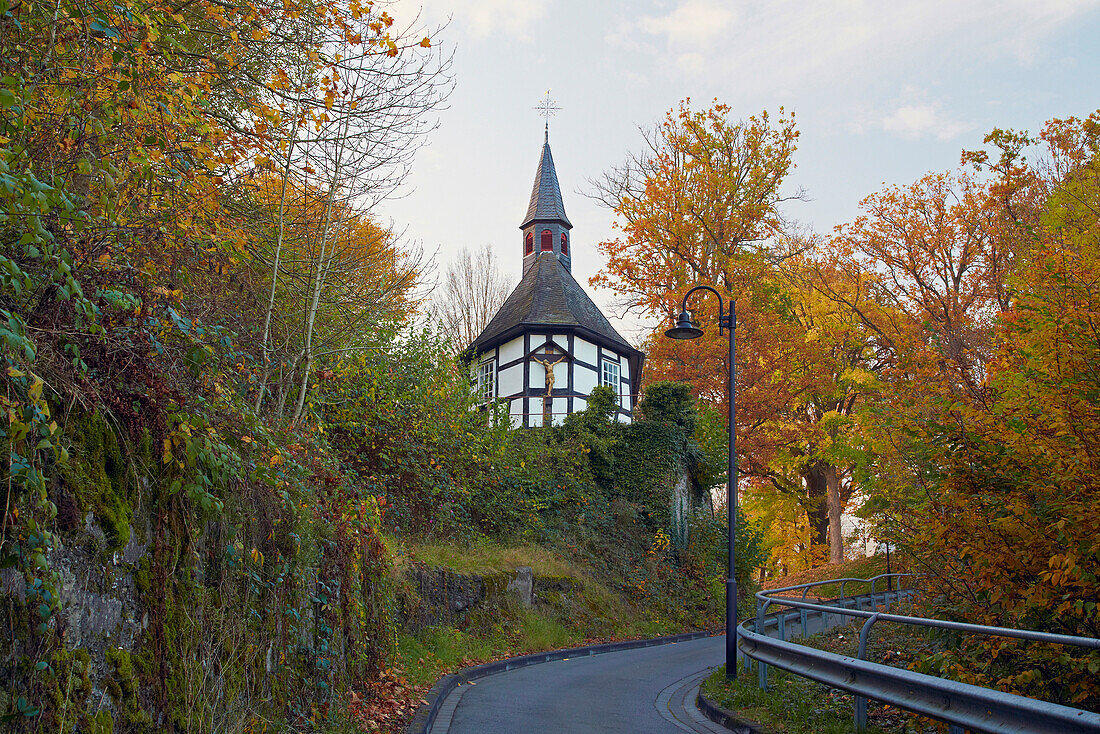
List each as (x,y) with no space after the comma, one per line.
(529,243)
(564,244)
(547,244)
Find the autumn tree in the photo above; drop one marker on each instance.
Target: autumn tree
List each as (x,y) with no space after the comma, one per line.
(366,283)
(815,441)
(471,293)
(936,265)
(986,474)
(344,127)
(703,205)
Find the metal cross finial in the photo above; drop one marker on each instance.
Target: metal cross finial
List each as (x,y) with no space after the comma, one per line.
(547,108)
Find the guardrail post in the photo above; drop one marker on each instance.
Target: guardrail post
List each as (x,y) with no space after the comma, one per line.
(749,662)
(761,668)
(782,625)
(861,701)
(955,729)
(802,616)
(873,582)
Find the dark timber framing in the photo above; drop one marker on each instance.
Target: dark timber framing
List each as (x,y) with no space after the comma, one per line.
(534,342)
(548,304)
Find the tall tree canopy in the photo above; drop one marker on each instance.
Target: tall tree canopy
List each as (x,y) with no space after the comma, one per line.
(982,445)
(704,204)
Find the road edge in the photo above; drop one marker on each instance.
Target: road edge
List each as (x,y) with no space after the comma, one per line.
(425,715)
(729,719)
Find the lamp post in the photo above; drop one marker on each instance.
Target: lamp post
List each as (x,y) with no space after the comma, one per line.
(687,329)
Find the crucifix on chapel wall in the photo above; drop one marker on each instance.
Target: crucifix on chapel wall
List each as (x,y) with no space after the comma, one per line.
(549,356)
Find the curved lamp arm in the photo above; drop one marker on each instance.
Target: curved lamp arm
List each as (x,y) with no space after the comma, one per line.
(726,319)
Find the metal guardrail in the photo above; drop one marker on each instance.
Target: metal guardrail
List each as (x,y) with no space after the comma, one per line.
(963,706)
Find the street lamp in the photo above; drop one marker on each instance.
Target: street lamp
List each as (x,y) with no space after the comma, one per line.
(686,328)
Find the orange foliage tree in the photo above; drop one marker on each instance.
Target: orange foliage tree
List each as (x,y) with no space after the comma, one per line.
(985,456)
(703,205)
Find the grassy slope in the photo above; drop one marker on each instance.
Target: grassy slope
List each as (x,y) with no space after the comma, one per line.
(596,613)
(486,557)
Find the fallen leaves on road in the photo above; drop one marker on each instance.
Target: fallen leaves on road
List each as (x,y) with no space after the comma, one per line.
(386,703)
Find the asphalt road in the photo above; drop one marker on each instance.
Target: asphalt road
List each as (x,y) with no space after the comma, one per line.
(642,690)
(648,689)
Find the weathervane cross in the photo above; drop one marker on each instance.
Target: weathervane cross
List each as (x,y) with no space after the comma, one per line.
(547,108)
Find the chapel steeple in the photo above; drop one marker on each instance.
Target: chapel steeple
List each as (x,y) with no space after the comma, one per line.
(549,346)
(545,227)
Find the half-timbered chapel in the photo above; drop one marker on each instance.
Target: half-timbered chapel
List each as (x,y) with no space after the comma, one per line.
(549,345)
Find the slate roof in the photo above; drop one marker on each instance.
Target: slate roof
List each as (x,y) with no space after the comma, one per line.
(546,203)
(549,296)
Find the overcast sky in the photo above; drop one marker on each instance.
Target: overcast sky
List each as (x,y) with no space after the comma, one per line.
(883,92)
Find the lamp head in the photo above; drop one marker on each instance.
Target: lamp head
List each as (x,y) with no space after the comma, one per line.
(685,328)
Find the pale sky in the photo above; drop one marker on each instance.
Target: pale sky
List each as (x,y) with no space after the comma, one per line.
(883,92)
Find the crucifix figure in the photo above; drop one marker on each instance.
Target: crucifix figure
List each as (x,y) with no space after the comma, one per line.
(548,365)
(547,108)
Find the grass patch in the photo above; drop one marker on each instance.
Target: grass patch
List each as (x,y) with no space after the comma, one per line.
(791,704)
(796,705)
(538,632)
(435,651)
(482,557)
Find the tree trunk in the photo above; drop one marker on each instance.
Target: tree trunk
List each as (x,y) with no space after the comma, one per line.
(832,500)
(327,235)
(265,342)
(815,504)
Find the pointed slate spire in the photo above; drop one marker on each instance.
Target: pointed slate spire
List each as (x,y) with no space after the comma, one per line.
(546,204)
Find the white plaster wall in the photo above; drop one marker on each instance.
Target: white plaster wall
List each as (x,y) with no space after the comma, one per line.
(561,405)
(537,375)
(535,418)
(624,369)
(579,404)
(585,351)
(627,401)
(562,340)
(515,409)
(511,350)
(510,381)
(561,374)
(584,379)
(537,341)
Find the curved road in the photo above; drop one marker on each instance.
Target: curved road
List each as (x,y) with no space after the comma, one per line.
(648,689)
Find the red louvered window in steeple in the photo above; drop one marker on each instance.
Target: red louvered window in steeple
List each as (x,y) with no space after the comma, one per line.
(564,244)
(529,243)
(547,244)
